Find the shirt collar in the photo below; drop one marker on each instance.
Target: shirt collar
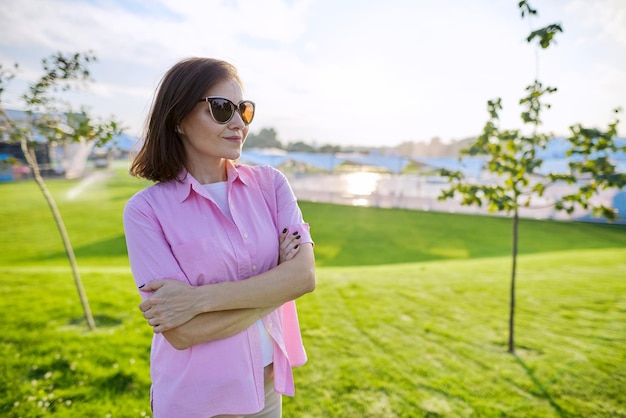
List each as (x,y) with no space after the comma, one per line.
(188,182)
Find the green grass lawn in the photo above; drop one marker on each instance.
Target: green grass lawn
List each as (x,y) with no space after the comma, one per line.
(409,317)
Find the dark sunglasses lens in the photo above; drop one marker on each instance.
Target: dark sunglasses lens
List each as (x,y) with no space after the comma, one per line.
(246,109)
(222,110)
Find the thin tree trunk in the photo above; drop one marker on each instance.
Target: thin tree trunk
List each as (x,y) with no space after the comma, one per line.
(513,270)
(32,162)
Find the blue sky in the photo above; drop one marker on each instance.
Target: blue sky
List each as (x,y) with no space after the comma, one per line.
(341,72)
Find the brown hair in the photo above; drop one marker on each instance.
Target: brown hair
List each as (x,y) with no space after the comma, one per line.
(162,155)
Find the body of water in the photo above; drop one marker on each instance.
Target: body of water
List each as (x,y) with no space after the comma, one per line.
(362,188)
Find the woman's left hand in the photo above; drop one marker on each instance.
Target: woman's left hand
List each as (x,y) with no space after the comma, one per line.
(170,305)
(289,245)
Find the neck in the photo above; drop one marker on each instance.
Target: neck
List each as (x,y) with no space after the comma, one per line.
(209,173)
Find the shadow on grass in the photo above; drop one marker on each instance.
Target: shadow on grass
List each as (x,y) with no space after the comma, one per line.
(102,321)
(541,388)
(120,383)
(112,247)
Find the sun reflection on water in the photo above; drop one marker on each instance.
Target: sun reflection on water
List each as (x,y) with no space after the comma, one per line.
(361,183)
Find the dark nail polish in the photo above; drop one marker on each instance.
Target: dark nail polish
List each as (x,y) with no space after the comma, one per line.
(295,233)
(284,230)
(142,286)
(295,246)
(298,237)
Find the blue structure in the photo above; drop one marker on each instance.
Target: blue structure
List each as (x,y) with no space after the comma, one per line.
(469,166)
(6,170)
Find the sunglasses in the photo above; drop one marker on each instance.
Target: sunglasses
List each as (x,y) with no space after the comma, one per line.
(222,110)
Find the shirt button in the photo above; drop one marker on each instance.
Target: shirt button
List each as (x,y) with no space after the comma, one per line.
(253,268)
(245,235)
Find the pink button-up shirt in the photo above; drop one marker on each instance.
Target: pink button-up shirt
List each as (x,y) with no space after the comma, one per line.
(176,231)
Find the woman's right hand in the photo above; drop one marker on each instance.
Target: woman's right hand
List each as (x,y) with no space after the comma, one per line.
(289,245)
(170,305)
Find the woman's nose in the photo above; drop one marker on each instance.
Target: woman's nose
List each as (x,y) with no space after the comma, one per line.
(237,121)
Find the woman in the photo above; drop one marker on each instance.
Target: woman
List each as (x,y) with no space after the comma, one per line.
(219,252)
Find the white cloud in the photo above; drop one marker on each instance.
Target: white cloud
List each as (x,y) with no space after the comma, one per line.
(607,18)
(354,72)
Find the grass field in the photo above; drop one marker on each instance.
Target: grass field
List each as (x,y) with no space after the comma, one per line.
(409,318)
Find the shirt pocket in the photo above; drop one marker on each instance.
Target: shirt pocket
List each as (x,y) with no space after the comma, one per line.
(203,261)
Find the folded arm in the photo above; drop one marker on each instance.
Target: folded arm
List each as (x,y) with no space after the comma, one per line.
(174,303)
(188,315)
(285,282)
(214,326)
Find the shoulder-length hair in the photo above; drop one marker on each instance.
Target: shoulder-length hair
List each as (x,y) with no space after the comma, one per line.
(162,156)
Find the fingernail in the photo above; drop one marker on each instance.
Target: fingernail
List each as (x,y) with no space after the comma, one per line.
(284,230)
(295,233)
(142,286)
(298,237)
(295,246)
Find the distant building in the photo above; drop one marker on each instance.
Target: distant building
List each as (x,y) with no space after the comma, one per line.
(64,158)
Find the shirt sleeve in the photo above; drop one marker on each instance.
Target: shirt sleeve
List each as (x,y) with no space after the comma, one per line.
(289,214)
(149,253)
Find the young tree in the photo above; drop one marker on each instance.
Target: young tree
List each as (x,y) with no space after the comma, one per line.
(48,118)
(514,157)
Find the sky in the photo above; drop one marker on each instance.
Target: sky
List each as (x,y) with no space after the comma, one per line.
(341,72)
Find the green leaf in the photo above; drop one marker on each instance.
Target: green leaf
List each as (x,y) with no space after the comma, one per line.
(545,35)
